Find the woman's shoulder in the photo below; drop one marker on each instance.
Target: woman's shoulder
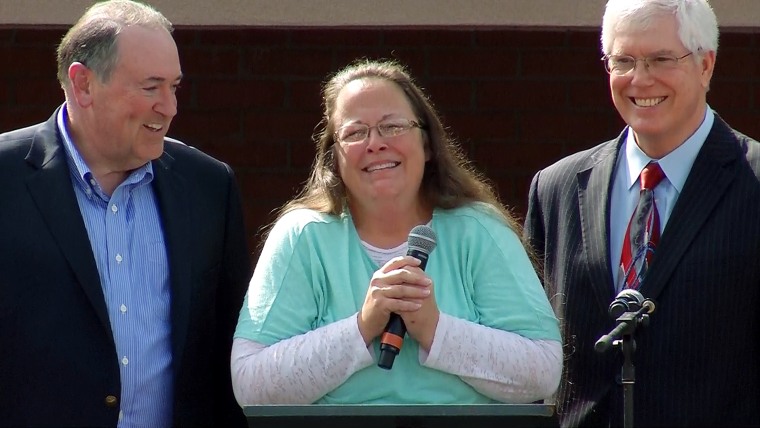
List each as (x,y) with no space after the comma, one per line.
(475,218)
(474,212)
(303,220)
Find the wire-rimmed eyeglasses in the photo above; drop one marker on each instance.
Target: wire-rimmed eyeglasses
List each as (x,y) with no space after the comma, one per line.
(359,132)
(623,64)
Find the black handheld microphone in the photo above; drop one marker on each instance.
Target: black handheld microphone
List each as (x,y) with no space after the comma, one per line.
(421,243)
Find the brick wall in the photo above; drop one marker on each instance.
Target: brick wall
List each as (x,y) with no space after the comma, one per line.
(517,100)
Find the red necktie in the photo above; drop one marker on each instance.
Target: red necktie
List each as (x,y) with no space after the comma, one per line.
(643,231)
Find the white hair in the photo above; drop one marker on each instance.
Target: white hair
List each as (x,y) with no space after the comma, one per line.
(697,24)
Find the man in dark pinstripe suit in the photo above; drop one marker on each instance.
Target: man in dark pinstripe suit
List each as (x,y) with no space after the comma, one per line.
(697,362)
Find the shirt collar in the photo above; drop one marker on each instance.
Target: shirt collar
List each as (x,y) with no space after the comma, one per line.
(676,164)
(79,167)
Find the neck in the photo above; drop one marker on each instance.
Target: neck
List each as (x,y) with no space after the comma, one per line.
(388,226)
(108,175)
(660,145)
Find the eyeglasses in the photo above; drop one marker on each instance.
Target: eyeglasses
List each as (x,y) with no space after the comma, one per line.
(358,132)
(620,65)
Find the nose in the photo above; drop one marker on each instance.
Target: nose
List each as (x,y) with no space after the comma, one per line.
(375,142)
(641,73)
(167,103)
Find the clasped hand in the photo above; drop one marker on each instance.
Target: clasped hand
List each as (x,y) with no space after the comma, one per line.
(400,286)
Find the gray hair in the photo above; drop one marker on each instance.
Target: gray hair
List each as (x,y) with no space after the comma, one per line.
(92,40)
(697,24)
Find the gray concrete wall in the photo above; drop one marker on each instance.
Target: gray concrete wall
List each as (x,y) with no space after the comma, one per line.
(348,13)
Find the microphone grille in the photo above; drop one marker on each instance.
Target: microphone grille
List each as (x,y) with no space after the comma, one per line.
(422,238)
(631,295)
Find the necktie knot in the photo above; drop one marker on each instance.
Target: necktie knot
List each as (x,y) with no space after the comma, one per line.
(651,176)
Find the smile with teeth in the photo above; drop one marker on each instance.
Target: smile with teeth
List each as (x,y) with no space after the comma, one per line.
(378,167)
(154,126)
(647,102)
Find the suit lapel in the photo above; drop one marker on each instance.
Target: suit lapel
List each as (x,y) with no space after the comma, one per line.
(594,183)
(54,196)
(708,180)
(171,192)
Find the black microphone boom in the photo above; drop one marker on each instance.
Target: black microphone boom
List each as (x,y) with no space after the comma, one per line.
(420,244)
(629,309)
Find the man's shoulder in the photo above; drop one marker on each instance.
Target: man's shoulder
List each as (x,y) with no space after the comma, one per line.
(19,136)
(584,158)
(187,155)
(17,143)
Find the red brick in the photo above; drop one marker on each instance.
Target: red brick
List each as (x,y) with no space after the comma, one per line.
(27,61)
(560,63)
(198,127)
(521,94)
(501,155)
(244,37)
(520,38)
(14,118)
(412,58)
(567,127)
(736,63)
(473,62)
(451,95)
(36,91)
(235,94)
(481,126)
(321,37)
(278,127)
(210,62)
(429,37)
(589,94)
(279,186)
(725,96)
(46,37)
(286,62)
(304,95)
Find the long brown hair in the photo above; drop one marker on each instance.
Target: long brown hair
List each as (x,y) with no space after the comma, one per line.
(449,181)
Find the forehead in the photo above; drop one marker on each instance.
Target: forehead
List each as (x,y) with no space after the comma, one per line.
(661,34)
(148,53)
(371,97)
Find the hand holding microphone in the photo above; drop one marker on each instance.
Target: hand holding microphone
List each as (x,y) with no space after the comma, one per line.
(421,242)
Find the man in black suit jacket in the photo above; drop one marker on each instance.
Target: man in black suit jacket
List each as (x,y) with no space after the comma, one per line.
(123,257)
(696,363)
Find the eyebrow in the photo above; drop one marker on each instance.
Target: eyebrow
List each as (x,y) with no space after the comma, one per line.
(157,79)
(654,53)
(385,117)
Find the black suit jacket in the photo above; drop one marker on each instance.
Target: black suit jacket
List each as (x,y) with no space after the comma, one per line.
(58,360)
(698,361)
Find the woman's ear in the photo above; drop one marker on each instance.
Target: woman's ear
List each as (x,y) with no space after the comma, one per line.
(426,146)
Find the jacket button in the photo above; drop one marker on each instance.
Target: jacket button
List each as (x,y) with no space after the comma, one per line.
(111,401)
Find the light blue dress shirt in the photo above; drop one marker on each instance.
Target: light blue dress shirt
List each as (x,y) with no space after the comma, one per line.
(127,240)
(625,189)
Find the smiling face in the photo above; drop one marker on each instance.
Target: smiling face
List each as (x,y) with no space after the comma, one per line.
(665,107)
(379,169)
(128,116)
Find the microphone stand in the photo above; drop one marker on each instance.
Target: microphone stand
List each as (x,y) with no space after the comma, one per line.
(626,327)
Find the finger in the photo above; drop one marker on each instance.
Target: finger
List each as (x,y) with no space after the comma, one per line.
(401,306)
(399,263)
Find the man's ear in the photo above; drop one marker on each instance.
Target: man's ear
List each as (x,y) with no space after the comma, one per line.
(81,79)
(708,66)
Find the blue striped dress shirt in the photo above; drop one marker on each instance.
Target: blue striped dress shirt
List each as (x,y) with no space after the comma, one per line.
(127,241)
